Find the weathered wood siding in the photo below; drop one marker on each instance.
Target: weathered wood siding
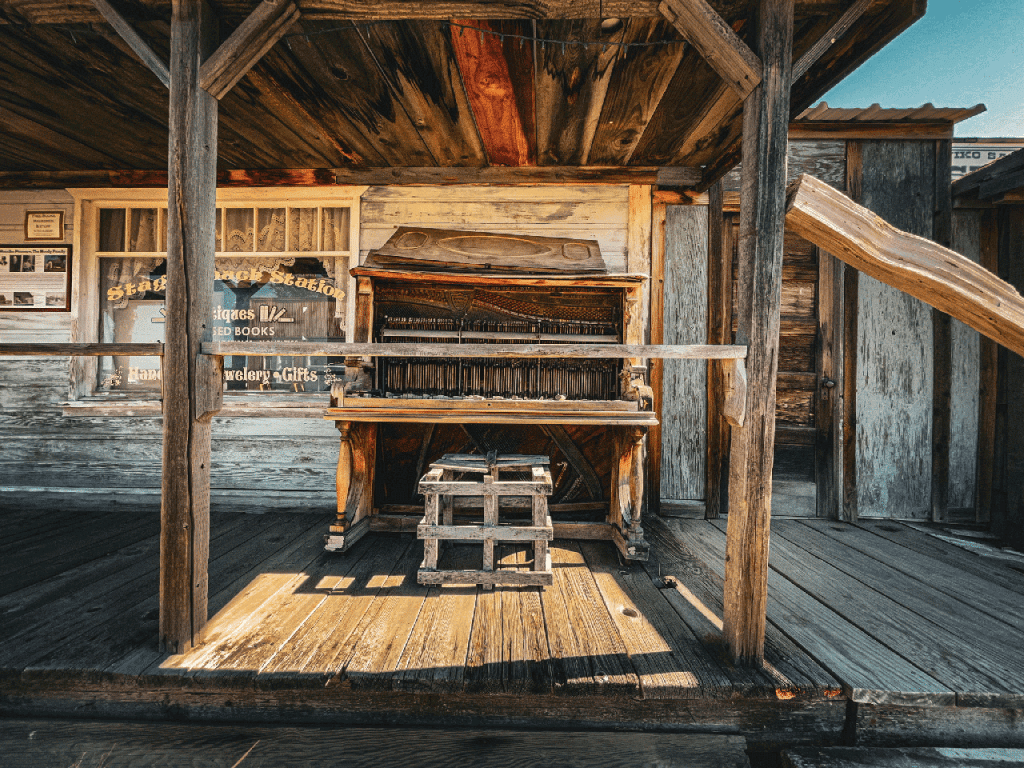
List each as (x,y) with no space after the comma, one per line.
(48,459)
(593,212)
(965,375)
(1008,477)
(684,401)
(894,345)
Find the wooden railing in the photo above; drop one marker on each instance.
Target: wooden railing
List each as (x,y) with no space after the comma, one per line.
(60,349)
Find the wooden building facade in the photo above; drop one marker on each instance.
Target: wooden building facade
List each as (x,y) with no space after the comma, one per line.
(155,149)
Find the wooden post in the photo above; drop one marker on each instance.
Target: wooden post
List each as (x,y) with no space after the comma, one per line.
(989,353)
(942,345)
(191,385)
(719,332)
(762,212)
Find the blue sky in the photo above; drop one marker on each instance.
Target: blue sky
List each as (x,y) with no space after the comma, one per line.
(961,53)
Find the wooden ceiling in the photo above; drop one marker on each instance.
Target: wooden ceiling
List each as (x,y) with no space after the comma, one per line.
(358,85)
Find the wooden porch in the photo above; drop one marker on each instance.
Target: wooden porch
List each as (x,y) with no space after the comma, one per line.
(879,614)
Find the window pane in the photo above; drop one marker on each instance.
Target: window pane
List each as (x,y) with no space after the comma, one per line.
(111,230)
(302,229)
(254,299)
(335,223)
(143,233)
(131,306)
(271,229)
(238,230)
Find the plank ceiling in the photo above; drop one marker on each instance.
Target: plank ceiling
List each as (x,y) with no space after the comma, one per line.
(356,84)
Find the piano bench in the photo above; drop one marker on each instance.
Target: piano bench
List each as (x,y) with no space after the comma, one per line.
(439,487)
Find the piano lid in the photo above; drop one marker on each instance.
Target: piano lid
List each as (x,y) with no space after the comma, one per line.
(446,250)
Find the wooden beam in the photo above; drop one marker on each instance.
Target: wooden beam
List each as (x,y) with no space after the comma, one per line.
(666,177)
(826,41)
(81,11)
(987,381)
(341,349)
(828,411)
(137,44)
(83,350)
(942,345)
(719,332)
(722,48)
(936,275)
(765,120)
(267,24)
(811,130)
(191,389)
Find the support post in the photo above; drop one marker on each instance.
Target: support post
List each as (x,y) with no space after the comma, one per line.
(191,386)
(762,217)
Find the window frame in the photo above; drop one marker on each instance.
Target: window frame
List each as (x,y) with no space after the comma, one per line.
(85,297)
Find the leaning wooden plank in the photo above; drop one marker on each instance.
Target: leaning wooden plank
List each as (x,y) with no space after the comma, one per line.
(267,24)
(709,33)
(341,349)
(927,271)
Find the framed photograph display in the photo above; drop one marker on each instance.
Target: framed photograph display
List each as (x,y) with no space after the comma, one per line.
(35,278)
(44,225)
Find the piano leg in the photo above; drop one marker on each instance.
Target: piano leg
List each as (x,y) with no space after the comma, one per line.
(628,495)
(354,484)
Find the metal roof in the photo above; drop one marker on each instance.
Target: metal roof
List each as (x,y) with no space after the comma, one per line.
(927,113)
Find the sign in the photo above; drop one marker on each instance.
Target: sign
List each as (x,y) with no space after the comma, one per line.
(35,278)
(970,156)
(44,225)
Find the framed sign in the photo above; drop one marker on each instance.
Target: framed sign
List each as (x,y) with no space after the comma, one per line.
(44,225)
(35,278)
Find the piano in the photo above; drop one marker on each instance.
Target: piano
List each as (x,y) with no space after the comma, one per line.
(525,318)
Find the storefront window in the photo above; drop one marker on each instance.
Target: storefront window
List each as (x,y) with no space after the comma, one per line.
(281,275)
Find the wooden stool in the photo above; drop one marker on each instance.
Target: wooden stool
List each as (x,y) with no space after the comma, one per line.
(440,488)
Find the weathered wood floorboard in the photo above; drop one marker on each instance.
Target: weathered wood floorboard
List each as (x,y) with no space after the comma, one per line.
(789,671)
(868,603)
(94,584)
(435,656)
(998,602)
(870,672)
(994,570)
(311,654)
(598,638)
(647,626)
(127,626)
(930,617)
(33,743)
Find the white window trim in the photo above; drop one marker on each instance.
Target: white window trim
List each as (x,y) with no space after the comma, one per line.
(85,299)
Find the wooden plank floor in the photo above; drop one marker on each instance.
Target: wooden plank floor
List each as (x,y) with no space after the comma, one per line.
(880,613)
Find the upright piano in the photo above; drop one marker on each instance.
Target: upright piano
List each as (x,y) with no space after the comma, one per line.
(478,293)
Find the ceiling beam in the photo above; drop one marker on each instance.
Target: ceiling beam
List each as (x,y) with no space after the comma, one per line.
(141,48)
(722,48)
(826,41)
(267,24)
(665,177)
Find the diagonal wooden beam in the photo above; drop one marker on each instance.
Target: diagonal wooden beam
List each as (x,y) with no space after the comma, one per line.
(722,48)
(826,41)
(267,24)
(156,65)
